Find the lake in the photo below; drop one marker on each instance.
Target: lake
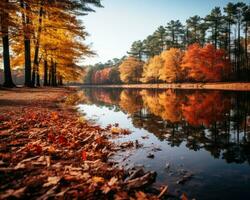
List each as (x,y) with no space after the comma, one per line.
(198,141)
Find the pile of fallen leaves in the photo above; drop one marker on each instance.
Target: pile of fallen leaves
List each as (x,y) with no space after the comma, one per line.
(47,152)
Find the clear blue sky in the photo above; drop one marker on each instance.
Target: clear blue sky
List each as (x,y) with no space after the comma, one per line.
(113,28)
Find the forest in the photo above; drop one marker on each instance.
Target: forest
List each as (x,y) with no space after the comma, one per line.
(33,37)
(212,48)
(74,130)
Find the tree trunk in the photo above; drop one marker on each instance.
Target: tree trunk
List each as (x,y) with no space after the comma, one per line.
(33,80)
(37,45)
(215,35)
(38,77)
(55,74)
(229,41)
(239,53)
(8,82)
(50,75)
(246,53)
(235,55)
(6,60)
(45,75)
(26,22)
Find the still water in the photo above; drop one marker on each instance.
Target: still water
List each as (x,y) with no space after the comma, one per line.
(202,135)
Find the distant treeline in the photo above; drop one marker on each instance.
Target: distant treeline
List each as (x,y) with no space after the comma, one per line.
(211,48)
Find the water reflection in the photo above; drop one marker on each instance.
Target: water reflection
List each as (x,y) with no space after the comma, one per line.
(212,120)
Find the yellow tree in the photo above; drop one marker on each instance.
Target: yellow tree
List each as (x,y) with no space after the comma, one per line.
(131,70)
(60,62)
(151,69)
(51,23)
(171,71)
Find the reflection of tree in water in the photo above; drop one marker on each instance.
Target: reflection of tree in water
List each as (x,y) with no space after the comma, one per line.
(210,120)
(130,101)
(165,104)
(205,108)
(103,97)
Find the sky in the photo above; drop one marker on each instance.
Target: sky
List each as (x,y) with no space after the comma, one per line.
(115,27)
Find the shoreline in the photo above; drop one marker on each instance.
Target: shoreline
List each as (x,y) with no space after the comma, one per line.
(237,86)
(48,150)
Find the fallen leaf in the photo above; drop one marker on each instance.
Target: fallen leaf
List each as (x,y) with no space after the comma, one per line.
(184,197)
(52,181)
(54,115)
(97,179)
(84,155)
(13,193)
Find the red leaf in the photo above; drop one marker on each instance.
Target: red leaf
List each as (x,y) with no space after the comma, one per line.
(62,140)
(84,155)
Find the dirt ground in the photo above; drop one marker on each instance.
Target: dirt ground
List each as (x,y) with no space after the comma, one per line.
(18,98)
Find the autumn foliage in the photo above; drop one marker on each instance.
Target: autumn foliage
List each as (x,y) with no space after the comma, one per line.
(102,76)
(131,70)
(196,64)
(205,63)
(171,71)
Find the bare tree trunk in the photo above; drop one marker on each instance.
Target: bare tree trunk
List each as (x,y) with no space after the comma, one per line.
(38,77)
(50,75)
(37,45)
(229,41)
(26,22)
(8,82)
(239,53)
(45,76)
(246,53)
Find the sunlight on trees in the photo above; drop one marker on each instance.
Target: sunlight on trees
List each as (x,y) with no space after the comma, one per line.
(151,70)
(205,63)
(39,32)
(171,71)
(131,70)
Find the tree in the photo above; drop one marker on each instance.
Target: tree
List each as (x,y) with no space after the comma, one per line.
(175,32)
(246,20)
(240,9)
(151,69)
(193,25)
(114,76)
(229,18)
(161,34)
(131,70)
(171,71)
(205,63)
(151,46)
(137,50)
(46,23)
(215,22)
(27,31)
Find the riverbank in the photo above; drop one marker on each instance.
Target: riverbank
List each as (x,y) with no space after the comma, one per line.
(210,86)
(48,151)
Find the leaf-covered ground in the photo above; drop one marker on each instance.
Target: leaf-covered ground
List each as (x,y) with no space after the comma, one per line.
(48,152)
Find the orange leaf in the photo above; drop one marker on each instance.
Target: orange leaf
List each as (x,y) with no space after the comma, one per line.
(184,197)
(54,115)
